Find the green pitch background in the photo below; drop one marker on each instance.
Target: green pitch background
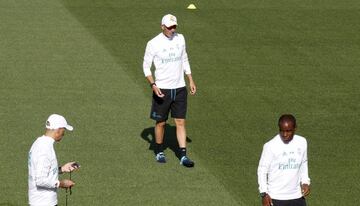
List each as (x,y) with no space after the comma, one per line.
(252,60)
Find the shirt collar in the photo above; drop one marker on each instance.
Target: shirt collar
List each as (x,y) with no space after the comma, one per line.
(50,139)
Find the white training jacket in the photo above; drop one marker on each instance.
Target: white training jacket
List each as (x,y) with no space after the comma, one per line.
(170,60)
(43,172)
(283,167)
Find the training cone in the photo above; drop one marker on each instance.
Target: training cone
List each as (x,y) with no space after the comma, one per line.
(191,6)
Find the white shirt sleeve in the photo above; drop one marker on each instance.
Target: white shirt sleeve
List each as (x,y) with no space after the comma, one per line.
(185,61)
(148,59)
(42,173)
(263,168)
(304,173)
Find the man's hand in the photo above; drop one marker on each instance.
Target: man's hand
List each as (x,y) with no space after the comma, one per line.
(266,200)
(192,87)
(305,189)
(157,91)
(69,167)
(66,183)
(191,84)
(154,87)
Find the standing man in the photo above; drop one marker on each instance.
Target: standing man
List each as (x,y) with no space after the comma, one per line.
(43,165)
(168,52)
(283,168)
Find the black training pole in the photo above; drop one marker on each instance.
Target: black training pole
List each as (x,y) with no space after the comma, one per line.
(66,200)
(70,179)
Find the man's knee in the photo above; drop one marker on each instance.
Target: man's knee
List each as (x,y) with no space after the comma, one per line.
(160,124)
(180,122)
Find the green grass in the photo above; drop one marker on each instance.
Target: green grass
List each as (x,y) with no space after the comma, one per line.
(251,60)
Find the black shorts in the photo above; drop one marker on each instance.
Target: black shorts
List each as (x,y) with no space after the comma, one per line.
(296,202)
(175,100)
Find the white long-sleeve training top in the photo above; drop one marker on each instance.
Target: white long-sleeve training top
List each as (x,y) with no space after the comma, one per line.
(43,172)
(282,167)
(170,60)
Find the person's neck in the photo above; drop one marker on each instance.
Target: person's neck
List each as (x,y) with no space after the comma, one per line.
(169,37)
(50,134)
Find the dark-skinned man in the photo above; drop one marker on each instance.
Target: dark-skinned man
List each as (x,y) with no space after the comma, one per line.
(283,168)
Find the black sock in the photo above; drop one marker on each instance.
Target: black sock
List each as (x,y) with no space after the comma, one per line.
(159,148)
(182,151)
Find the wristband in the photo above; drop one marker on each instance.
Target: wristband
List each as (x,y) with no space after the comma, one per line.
(152,84)
(263,194)
(60,171)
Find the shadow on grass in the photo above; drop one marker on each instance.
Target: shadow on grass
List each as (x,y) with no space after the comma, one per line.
(170,140)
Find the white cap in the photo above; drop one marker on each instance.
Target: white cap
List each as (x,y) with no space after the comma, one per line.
(169,20)
(56,121)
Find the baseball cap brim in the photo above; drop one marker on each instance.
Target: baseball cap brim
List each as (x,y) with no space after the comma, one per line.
(69,127)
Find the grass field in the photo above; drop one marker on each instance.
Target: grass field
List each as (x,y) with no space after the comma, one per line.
(251,60)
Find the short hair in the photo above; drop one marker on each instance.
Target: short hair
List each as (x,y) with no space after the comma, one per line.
(287,117)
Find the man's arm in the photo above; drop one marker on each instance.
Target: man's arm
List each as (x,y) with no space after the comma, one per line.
(148,59)
(191,84)
(42,173)
(69,167)
(43,177)
(187,70)
(304,175)
(263,169)
(266,200)
(154,87)
(65,183)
